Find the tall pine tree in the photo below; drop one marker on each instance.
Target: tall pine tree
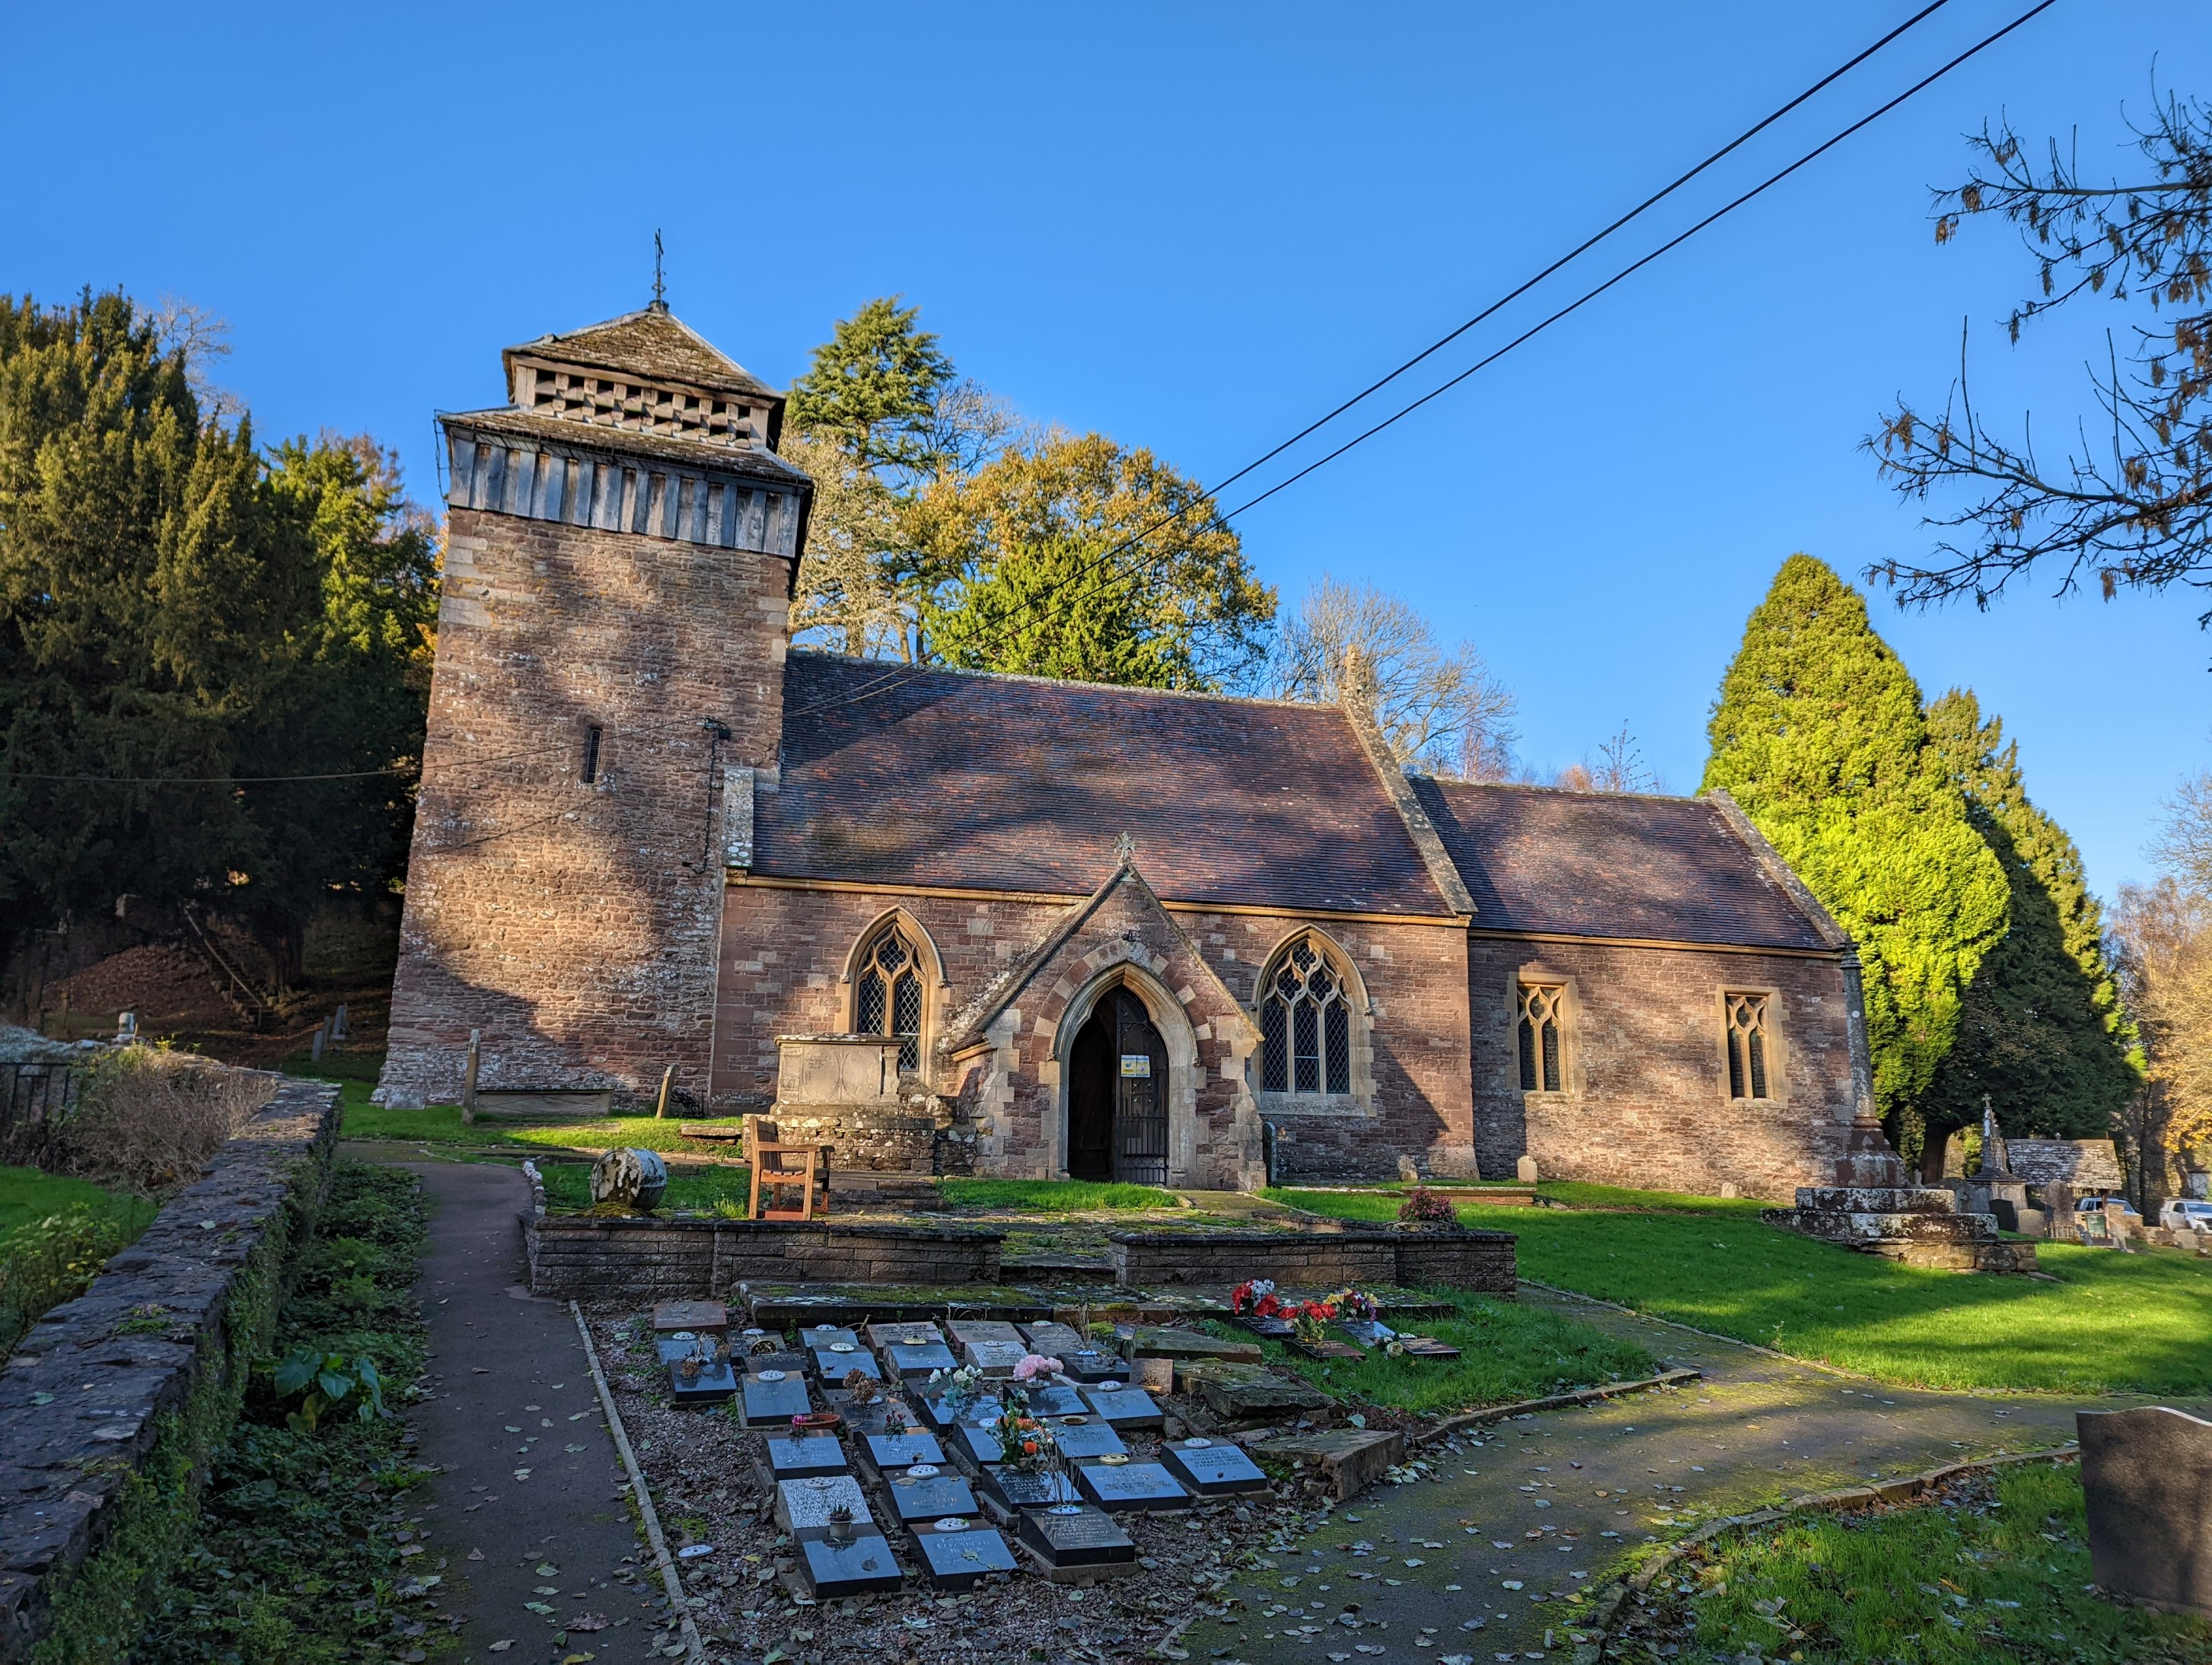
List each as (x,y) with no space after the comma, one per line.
(2041,1031)
(1819,735)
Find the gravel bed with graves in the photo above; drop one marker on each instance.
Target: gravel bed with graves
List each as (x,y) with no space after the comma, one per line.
(750,1546)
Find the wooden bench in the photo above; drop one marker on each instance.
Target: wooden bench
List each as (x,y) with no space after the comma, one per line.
(771,1160)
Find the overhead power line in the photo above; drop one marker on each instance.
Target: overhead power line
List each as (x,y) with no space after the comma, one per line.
(1143,566)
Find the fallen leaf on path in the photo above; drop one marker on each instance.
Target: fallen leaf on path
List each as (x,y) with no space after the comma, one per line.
(588,1621)
(503,1645)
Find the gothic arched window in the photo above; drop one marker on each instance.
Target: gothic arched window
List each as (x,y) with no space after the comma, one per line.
(887,997)
(1306,1024)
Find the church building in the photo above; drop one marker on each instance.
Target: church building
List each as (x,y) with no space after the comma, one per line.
(1079,930)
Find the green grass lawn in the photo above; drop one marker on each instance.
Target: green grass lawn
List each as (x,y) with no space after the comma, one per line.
(26,1195)
(1507,1352)
(1995,1572)
(721,1189)
(2134,1323)
(1051,1196)
(441,1124)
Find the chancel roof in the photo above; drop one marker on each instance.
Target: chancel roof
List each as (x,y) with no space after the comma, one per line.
(895,775)
(1612,864)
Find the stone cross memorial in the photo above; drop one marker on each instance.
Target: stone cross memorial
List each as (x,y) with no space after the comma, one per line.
(2147,1478)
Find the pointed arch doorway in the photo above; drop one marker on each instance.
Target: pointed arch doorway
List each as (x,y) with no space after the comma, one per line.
(1117,1095)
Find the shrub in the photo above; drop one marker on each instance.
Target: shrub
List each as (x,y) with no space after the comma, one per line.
(1425,1206)
(150,1120)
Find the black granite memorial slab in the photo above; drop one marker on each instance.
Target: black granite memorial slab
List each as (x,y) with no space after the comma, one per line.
(1141,1487)
(771,1401)
(1020,1489)
(1054,1341)
(864,1566)
(800,1457)
(684,1345)
(836,1366)
(1091,1365)
(931,1498)
(1075,1534)
(1266,1324)
(905,1361)
(890,1451)
(873,1418)
(974,1446)
(711,1386)
(1212,1468)
(968,1331)
(1125,1408)
(917,1334)
(1052,1399)
(993,1358)
(1087,1437)
(791,1364)
(940,1412)
(1369,1332)
(955,1557)
(800,1504)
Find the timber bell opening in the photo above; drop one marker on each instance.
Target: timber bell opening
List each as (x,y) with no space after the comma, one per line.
(1117,1096)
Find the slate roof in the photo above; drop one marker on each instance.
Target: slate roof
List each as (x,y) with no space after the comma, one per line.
(1611,864)
(649,343)
(894,775)
(672,449)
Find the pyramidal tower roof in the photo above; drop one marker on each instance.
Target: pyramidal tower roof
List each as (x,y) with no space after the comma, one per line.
(652,342)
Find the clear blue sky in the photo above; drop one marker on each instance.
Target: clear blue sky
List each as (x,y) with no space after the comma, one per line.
(1191,228)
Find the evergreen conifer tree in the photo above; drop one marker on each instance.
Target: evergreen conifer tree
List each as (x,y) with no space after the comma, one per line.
(1819,735)
(2041,1029)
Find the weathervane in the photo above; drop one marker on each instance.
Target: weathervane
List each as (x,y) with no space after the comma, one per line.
(659,305)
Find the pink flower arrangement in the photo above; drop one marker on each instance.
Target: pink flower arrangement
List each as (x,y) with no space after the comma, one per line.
(1033,1365)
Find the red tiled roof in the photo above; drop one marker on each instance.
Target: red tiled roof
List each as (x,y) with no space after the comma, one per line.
(1611,864)
(894,775)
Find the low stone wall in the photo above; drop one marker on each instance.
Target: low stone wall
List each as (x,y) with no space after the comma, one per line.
(110,1407)
(1418,1257)
(572,1256)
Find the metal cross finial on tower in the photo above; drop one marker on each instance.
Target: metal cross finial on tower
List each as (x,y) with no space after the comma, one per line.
(659,288)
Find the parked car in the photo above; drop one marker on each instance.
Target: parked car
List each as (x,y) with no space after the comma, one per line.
(2093,1203)
(2186,1214)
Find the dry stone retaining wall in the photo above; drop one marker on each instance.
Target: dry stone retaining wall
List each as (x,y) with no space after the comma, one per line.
(93,1414)
(1446,1258)
(643,1258)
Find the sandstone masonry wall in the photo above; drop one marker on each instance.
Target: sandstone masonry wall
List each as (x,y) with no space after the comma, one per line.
(1646,1101)
(648,1259)
(575,925)
(1417,1258)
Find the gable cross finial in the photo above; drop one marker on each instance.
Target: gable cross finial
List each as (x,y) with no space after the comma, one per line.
(1125,851)
(659,288)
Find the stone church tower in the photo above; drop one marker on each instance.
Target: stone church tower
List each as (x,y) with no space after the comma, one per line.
(623,540)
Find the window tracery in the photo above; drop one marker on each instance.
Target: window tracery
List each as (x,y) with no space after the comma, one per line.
(1306,1024)
(1746,1046)
(887,995)
(1541,1030)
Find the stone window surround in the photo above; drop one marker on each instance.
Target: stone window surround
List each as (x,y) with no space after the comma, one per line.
(1777,1048)
(1571,1086)
(1360,1103)
(934,988)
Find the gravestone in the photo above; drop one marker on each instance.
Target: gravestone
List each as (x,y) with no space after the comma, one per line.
(1524,1170)
(1212,1468)
(890,1451)
(1153,1341)
(937,1410)
(711,1386)
(879,1416)
(827,1335)
(800,1504)
(1054,1341)
(683,1344)
(975,1446)
(1086,1437)
(701,1317)
(1055,1399)
(905,1361)
(967,1332)
(931,1498)
(2146,1478)
(791,1364)
(994,1357)
(832,1366)
(802,1456)
(918,1333)
(863,1566)
(956,1555)
(1126,1408)
(1090,1365)
(1023,1489)
(1268,1325)
(770,1400)
(1144,1486)
(1074,1534)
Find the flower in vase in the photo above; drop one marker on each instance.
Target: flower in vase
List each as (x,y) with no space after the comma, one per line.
(1033,1365)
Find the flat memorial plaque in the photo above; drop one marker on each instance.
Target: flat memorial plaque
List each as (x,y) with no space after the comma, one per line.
(711,1386)
(874,1418)
(1087,1437)
(1212,1468)
(767,1403)
(800,1504)
(975,1446)
(890,1451)
(969,1331)
(1076,1535)
(1125,1408)
(701,1318)
(865,1565)
(1089,1365)
(800,1457)
(956,1558)
(1018,1489)
(937,1411)
(1055,1400)
(905,1361)
(1132,1486)
(1369,1332)
(1266,1324)
(931,1498)
(994,1357)
(919,1334)
(791,1364)
(684,1345)
(836,1366)
(829,1336)
(1054,1341)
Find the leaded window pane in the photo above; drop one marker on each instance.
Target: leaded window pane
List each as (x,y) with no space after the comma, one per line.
(868,1009)
(1275,1049)
(1747,1045)
(1307,1051)
(1551,1058)
(1756,1044)
(1539,1020)
(890,954)
(1528,1057)
(1736,1064)
(1339,1026)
